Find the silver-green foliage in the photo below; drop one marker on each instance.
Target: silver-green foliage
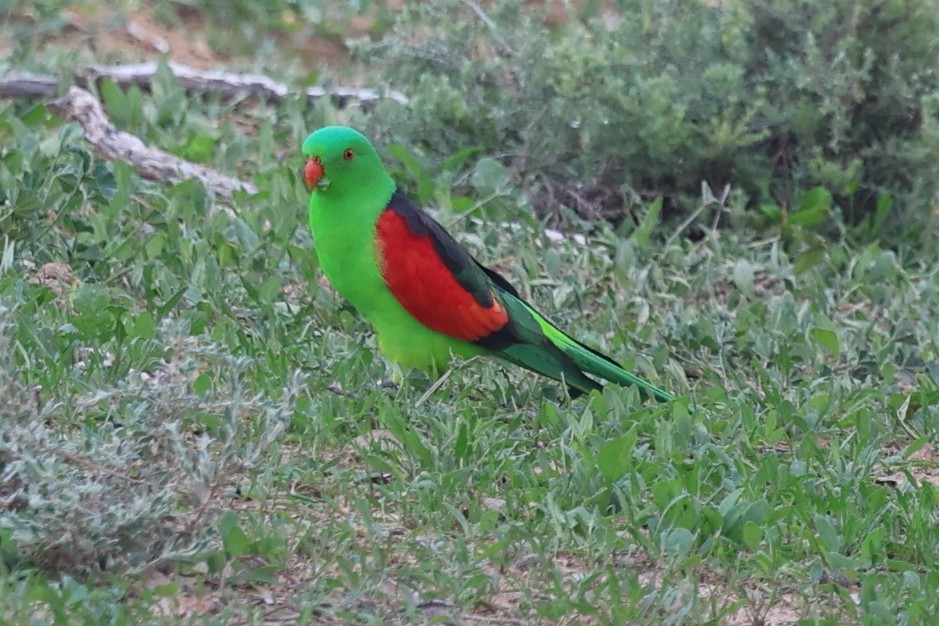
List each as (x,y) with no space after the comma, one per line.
(122,478)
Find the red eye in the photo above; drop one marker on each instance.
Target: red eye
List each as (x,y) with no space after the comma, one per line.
(348,154)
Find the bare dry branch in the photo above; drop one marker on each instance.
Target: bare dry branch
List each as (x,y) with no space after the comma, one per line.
(29,86)
(228,84)
(81,106)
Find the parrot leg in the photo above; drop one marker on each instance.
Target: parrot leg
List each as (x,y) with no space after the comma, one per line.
(397,380)
(397,375)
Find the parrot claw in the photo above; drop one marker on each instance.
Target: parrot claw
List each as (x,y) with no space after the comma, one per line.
(337,389)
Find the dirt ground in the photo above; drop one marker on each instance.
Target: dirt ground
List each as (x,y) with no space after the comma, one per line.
(141,36)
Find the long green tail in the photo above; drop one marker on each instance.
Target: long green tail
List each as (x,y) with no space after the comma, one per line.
(592,362)
(565,358)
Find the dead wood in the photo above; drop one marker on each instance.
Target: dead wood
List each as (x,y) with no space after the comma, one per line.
(28,86)
(81,106)
(228,84)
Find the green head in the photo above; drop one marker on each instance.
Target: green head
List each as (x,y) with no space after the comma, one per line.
(339,161)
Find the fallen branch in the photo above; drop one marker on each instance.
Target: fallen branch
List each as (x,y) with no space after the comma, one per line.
(28,86)
(228,84)
(81,106)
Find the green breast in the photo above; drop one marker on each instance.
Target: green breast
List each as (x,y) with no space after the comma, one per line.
(348,255)
(346,245)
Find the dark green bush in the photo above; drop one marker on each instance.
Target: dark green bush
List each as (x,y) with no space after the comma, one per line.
(651,98)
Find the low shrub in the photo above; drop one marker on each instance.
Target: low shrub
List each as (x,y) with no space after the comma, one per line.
(650,99)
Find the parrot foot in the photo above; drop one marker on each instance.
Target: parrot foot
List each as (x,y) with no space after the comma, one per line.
(337,389)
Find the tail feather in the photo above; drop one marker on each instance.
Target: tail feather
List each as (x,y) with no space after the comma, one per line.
(588,360)
(532,342)
(552,362)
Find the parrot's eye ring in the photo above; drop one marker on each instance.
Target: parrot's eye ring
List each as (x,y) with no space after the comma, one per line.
(348,154)
(317,160)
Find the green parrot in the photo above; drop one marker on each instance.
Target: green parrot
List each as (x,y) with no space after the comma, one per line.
(428,298)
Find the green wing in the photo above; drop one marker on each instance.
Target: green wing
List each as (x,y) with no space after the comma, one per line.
(528,339)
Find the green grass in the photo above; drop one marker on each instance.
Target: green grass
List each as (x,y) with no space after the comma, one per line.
(175,445)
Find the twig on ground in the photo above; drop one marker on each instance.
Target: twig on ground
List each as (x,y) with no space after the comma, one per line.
(437,385)
(116,145)
(228,84)
(82,106)
(706,201)
(28,86)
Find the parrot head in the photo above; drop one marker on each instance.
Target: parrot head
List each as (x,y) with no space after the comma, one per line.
(338,159)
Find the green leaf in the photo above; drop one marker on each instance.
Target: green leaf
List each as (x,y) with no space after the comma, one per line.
(461,204)
(6,259)
(269,291)
(199,148)
(809,259)
(827,534)
(882,211)
(677,542)
(35,116)
(489,177)
(116,103)
(142,326)
(215,561)
(711,521)
(107,185)
(226,522)
(167,590)
(461,157)
(642,236)
(462,446)
(243,234)
(772,213)
(91,303)
(552,262)
(884,266)
(729,502)
(615,456)
(202,384)
(412,166)
(171,302)
(813,208)
(743,276)
(827,339)
(751,535)
(265,574)
(234,539)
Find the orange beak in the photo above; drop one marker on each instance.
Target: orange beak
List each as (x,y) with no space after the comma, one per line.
(312,173)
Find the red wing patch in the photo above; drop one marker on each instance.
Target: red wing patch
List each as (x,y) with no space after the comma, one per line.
(426,287)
